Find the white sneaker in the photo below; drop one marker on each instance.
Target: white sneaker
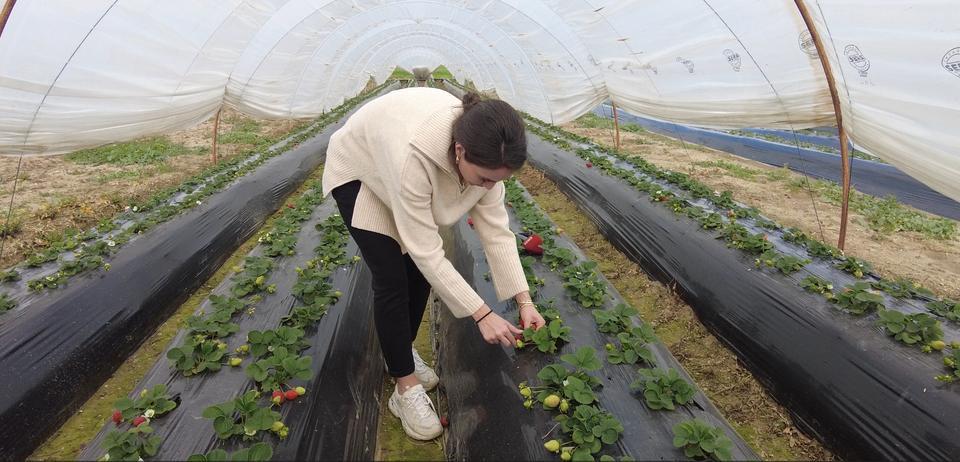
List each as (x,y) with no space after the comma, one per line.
(424,373)
(416,413)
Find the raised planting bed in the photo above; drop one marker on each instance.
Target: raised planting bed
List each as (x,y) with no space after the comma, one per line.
(59,349)
(856,359)
(618,391)
(74,254)
(264,368)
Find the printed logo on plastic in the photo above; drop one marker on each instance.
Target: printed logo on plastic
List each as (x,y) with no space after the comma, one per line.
(733,58)
(686,62)
(807,44)
(951,61)
(857,59)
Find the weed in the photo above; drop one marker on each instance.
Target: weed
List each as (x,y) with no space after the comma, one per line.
(143,151)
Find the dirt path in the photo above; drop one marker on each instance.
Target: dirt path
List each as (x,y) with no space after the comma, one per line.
(775,191)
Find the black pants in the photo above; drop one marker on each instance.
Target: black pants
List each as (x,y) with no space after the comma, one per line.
(399,289)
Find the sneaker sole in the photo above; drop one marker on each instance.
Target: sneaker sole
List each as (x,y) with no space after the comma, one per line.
(409,431)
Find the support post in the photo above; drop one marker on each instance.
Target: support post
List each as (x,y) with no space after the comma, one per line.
(5,14)
(216,130)
(844,148)
(616,125)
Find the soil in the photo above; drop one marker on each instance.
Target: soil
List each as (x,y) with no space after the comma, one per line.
(55,194)
(933,263)
(759,420)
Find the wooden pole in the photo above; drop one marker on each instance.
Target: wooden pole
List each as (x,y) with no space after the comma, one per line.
(844,149)
(216,129)
(5,14)
(616,125)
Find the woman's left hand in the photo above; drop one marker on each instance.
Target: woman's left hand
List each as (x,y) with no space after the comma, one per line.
(530,317)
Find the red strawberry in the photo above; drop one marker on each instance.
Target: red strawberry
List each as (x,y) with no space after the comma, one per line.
(532,244)
(444,421)
(291,395)
(589,164)
(470,221)
(117,417)
(277,397)
(138,420)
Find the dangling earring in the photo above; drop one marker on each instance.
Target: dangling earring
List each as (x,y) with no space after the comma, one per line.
(458,160)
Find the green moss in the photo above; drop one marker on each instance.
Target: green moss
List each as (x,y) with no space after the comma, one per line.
(393,444)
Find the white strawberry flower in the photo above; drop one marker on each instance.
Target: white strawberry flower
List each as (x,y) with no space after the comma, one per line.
(198,202)
(111,243)
(135,208)
(149,413)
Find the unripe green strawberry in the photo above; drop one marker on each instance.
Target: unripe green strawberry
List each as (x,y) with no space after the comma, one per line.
(551,401)
(528,403)
(234,362)
(609,347)
(259,281)
(301,391)
(277,426)
(938,345)
(564,405)
(552,445)
(565,456)
(526,392)
(519,343)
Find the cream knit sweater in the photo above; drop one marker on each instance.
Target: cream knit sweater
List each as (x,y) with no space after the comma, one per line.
(397,146)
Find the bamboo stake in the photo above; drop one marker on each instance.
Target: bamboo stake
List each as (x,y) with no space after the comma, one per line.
(216,129)
(5,14)
(616,125)
(844,149)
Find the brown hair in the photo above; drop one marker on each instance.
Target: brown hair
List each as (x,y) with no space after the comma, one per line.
(492,133)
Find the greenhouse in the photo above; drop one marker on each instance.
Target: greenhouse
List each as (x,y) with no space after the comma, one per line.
(695,230)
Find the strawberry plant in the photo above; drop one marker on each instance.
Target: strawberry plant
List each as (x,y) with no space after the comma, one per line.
(901,288)
(259,452)
(263,342)
(589,428)
(215,325)
(252,277)
(615,320)
(9,276)
(910,328)
(699,440)
(279,368)
(712,220)
(854,266)
(786,264)
(952,363)
(584,285)
(133,444)
(152,403)
(559,381)
(823,251)
(738,237)
(549,337)
(796,236)
(632,346)
(858,298)
(241,417)
(663,389)
(312,286)
(818,285)
(557,257)
(198,354)
(946,307)
(6,303)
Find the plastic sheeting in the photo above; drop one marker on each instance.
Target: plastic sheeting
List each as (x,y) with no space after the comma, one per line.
(487,417)
(869,177)
(862,394)
(57,353)
(338,422)
(117,70)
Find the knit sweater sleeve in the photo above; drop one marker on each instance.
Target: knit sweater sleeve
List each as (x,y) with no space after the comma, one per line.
(420,234)
(499,243)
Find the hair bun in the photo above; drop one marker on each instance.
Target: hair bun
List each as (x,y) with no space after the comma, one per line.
(470,99)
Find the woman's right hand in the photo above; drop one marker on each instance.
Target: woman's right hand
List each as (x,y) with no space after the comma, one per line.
(494,328)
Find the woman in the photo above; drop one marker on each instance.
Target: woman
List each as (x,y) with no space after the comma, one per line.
(401,167)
